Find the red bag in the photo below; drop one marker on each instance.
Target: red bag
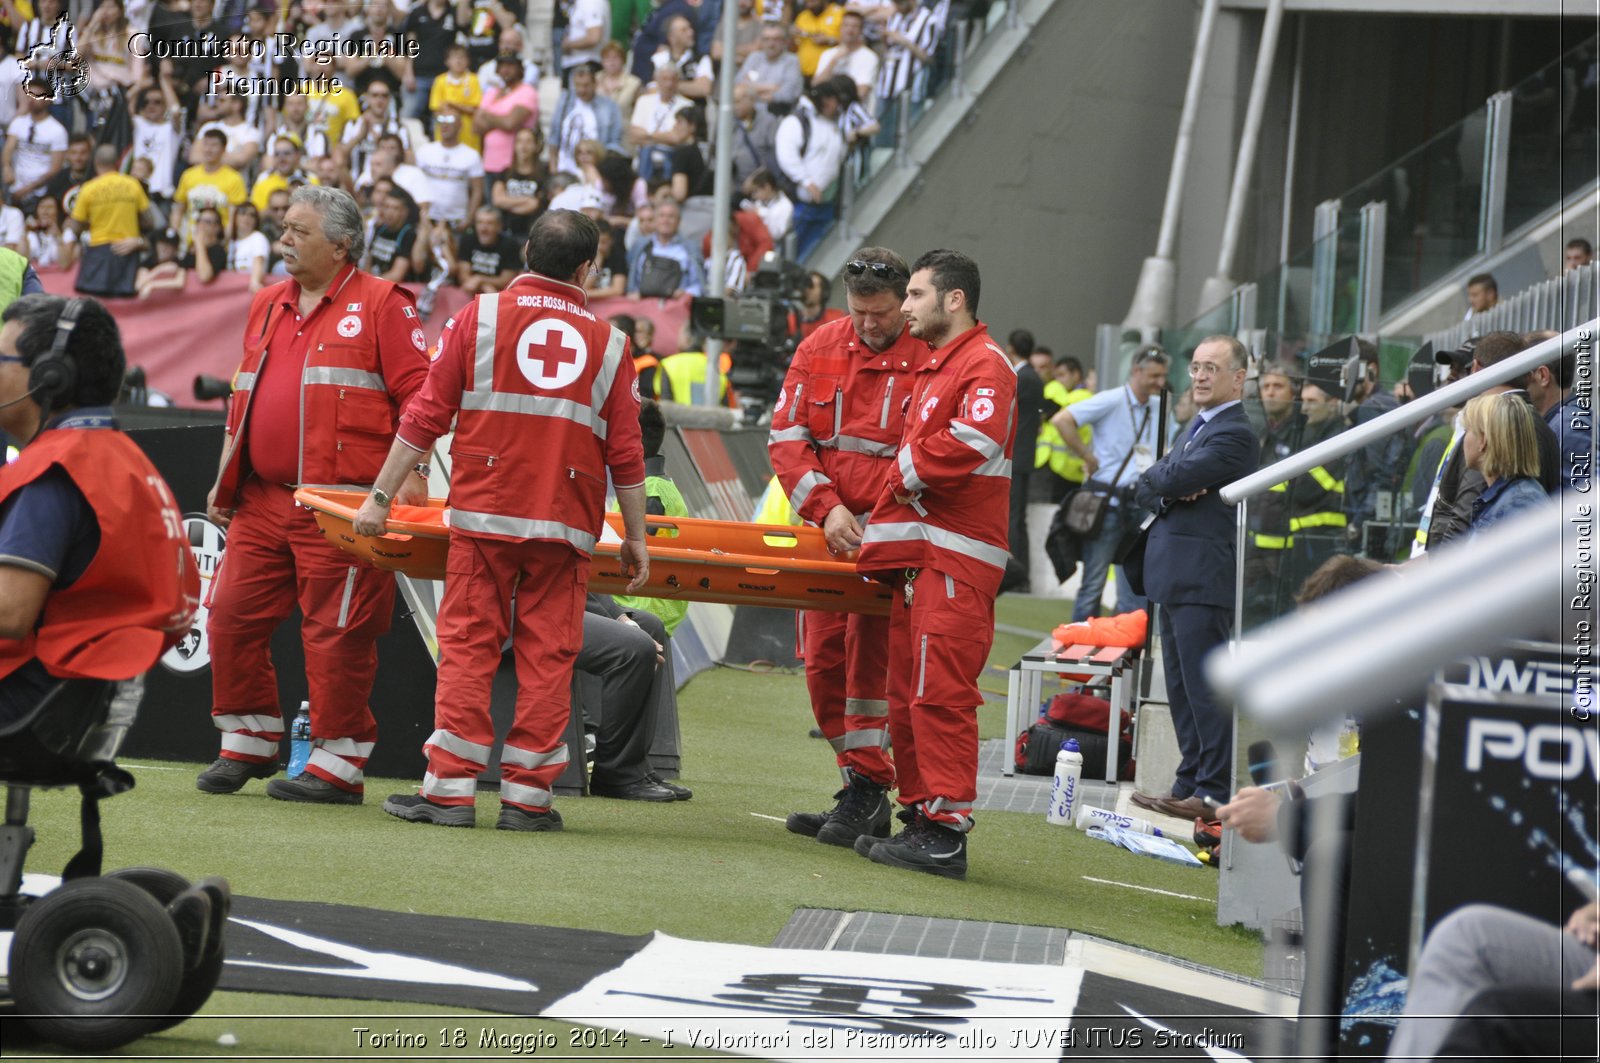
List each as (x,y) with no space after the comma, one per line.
(1084,712)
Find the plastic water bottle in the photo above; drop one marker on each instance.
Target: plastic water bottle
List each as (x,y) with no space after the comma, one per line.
(300,740)
(1090,816)
(1064,789)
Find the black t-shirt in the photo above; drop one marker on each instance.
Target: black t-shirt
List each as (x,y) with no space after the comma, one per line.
(433,36)
(217,254)
(488,260)
(520,185)
(390,244)
(616,262)
(690,160)
(483,32)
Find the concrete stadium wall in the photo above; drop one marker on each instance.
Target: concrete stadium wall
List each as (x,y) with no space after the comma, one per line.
(1056,185)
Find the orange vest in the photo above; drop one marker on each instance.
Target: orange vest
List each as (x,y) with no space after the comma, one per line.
(550,401)
(348,416)
(139,594)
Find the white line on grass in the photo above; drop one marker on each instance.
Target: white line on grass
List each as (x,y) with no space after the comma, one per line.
(153,767)
(1147,889)
(775,819)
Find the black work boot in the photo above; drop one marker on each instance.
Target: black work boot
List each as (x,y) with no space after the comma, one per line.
(863,810)
(809,823)
(865,842)
(228,776)
(925,846)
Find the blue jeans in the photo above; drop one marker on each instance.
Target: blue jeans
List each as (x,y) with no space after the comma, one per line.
(811,224)
(1097,558)
(417,102)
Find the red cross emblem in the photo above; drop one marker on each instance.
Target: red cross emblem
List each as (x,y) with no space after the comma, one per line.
(551,353)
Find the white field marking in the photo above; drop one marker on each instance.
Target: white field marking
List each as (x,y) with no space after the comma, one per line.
(1146,889)
(763,815)
(154,767)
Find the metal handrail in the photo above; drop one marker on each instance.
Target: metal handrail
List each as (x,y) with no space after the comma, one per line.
(1410,413)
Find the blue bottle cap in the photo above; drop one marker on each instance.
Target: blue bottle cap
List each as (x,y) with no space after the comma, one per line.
(1071,745)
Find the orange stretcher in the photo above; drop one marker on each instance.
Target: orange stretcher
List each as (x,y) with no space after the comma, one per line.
(724,561)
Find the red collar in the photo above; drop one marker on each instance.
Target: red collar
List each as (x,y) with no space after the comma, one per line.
(539,280)
(291,296)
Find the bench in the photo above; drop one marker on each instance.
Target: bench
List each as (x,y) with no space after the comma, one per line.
(1116,664)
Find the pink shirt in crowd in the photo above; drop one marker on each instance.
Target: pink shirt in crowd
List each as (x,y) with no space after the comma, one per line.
(497,142)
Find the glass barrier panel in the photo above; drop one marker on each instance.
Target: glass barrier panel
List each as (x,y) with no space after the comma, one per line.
(1552,149)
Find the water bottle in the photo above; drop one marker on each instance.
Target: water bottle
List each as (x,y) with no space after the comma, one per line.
(1090,816)
(1064,789)
(300,740)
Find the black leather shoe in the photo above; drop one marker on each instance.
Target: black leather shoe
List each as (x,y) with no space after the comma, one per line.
(228,776)
(643,790)
(307,788)
(679,793)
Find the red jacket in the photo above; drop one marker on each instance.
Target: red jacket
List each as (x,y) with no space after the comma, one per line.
(839,419)
(139,594)
(955,462)
(548,403)
(351,392)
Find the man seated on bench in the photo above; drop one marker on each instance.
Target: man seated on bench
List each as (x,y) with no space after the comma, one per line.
(626,650)
(96,577)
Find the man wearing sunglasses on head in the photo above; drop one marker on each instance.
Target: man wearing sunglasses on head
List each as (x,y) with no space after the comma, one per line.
(835,429)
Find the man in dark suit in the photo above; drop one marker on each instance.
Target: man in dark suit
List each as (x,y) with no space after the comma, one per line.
(1185,560)
(1030,404)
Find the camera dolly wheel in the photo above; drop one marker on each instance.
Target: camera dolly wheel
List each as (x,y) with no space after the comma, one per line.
(95,964)
(200,912)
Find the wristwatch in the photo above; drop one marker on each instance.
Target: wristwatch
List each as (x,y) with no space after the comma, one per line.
(382,498)
(422,469)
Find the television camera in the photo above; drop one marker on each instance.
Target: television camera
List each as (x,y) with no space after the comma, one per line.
(760,326)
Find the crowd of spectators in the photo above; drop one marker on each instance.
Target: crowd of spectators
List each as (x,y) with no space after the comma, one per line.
(444,118)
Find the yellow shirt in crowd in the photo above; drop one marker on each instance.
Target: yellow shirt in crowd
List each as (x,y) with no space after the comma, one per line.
(464,93)
(110,206)
(332,109)
(827,24)
(198,189)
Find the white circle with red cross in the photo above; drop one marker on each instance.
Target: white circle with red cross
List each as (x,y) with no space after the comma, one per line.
(551,353)
(983,409)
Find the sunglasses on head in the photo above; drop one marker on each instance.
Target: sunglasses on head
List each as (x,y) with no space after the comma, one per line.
(856,268)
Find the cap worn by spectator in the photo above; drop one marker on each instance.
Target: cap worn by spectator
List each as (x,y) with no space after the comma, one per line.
(1461,357)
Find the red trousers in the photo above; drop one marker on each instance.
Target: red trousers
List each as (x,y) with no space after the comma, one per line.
(846,672)
(275,559)
(938,646)
(549,581)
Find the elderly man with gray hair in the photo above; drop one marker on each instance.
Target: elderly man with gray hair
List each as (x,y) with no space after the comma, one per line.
(331,357)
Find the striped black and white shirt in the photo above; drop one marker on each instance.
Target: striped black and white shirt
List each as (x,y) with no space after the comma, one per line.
(900,66)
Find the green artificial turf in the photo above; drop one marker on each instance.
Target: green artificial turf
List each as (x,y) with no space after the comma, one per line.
(720,867)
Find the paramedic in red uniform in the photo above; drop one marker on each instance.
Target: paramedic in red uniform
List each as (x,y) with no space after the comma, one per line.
(331,357)
(939,534)
(835,429)
(96,577)
(546,404)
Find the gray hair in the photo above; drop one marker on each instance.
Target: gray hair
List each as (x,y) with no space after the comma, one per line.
(341,218)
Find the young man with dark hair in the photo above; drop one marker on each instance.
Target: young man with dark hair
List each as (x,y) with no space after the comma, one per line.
(544,404)
(1483,292)
(835,428)
(938,534)
(1578,252)
(96,576)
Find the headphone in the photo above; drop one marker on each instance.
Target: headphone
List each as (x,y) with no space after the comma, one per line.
(53,377)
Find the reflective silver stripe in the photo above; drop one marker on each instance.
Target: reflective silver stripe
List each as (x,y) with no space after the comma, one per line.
(838,747)
(1000,467)
(521,528)
(536,405)
(803,489)
(244,381)
(524,795)
(908,531)
(865,707)
(345,747)
(233,742)
(888,390)
(610,362)
(483,360)
(458,746)
(797,434)
(267,725)
(867,738)
(949,585)
(857,445)
(433,786)
(922,666)
(335,766)
(344,602)
(527,758)
(350,378)
(975,439)
(908,470)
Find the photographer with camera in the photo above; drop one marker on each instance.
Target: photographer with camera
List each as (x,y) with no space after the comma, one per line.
(835,429)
